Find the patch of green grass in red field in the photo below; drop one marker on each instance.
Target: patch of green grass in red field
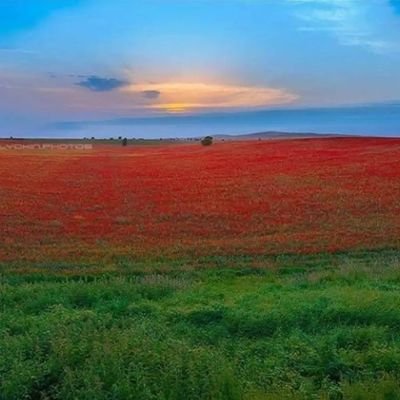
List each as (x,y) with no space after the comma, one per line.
(233,198)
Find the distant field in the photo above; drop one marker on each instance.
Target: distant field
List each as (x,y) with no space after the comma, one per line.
(242,271)
(236,198)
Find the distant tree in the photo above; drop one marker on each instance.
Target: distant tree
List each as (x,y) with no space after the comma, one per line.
(111,138)
(124,142)
(207,141)
(92,138)
(119,137)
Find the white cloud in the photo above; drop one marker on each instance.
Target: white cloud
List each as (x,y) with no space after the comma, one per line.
(352,22)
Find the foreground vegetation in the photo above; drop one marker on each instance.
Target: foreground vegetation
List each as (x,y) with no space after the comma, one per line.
(298,327)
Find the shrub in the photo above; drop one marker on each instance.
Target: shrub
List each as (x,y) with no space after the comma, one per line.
(207,141)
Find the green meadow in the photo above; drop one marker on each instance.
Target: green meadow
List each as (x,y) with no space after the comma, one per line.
(287,327)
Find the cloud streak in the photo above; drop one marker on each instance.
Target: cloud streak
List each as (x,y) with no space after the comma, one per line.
(352,22)
(151,94)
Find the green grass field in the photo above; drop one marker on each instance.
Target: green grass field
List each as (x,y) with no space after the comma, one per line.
(287,327)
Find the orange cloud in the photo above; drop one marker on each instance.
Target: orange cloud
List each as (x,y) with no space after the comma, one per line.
(181,97)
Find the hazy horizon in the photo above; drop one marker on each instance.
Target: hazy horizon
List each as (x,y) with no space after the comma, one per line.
(367,120)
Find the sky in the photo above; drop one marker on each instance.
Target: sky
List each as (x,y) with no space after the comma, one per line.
(156,68)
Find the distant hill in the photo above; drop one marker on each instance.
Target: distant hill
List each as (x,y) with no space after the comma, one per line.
(271,135)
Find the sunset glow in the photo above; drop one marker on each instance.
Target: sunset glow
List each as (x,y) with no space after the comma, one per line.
(179,97)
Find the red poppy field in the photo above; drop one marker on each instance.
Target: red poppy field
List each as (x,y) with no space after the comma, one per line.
(233,198)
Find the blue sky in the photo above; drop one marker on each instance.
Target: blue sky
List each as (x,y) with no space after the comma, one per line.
(86,63)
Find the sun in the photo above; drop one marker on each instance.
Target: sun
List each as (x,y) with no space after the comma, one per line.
(176,108)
